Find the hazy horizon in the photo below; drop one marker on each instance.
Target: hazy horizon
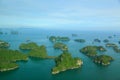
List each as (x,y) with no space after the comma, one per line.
(63,14)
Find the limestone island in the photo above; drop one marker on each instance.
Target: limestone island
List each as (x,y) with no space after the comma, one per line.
(74,35)
(92,50)
(4,44)
(60,46)
(114,46)
(80,40)
(103,59)
(58,39)
(106,41)
(8,59)
(65,62)
(97,40)
(14,32)
(35,50)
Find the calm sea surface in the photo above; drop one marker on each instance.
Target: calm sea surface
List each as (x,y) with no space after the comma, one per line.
(41,69)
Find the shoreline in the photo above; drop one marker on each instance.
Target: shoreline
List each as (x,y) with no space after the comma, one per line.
(9,69)
(57,72)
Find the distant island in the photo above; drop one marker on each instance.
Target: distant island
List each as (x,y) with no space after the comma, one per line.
(65,62)
(103,59)
(79,40)
(106,41)
(97,40)
(58,39)
(14,32)
(61,46)
(111,45)
(74,35)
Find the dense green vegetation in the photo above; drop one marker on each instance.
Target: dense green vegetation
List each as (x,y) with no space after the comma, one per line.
(35,50)
(8,59)
(4,44)
(61,46)
(103,59)
(65,62)
(58,39)
(28,46)
(38,52)
(92,50)
(6,66)
(80,40)
(89,51)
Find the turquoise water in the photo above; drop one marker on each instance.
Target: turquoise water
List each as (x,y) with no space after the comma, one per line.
(40,69)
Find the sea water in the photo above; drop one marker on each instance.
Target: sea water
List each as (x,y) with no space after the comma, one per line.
(40,69)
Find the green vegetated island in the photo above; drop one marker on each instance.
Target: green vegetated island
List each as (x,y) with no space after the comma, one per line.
(8,59)
(103,59)
(65,62)
(79,40)
(97,40)
(92,51)
(105,40)
(114,46)
(61,46)
(58,39)
(35,50)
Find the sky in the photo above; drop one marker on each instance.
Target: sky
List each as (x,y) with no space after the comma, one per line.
(61,14)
